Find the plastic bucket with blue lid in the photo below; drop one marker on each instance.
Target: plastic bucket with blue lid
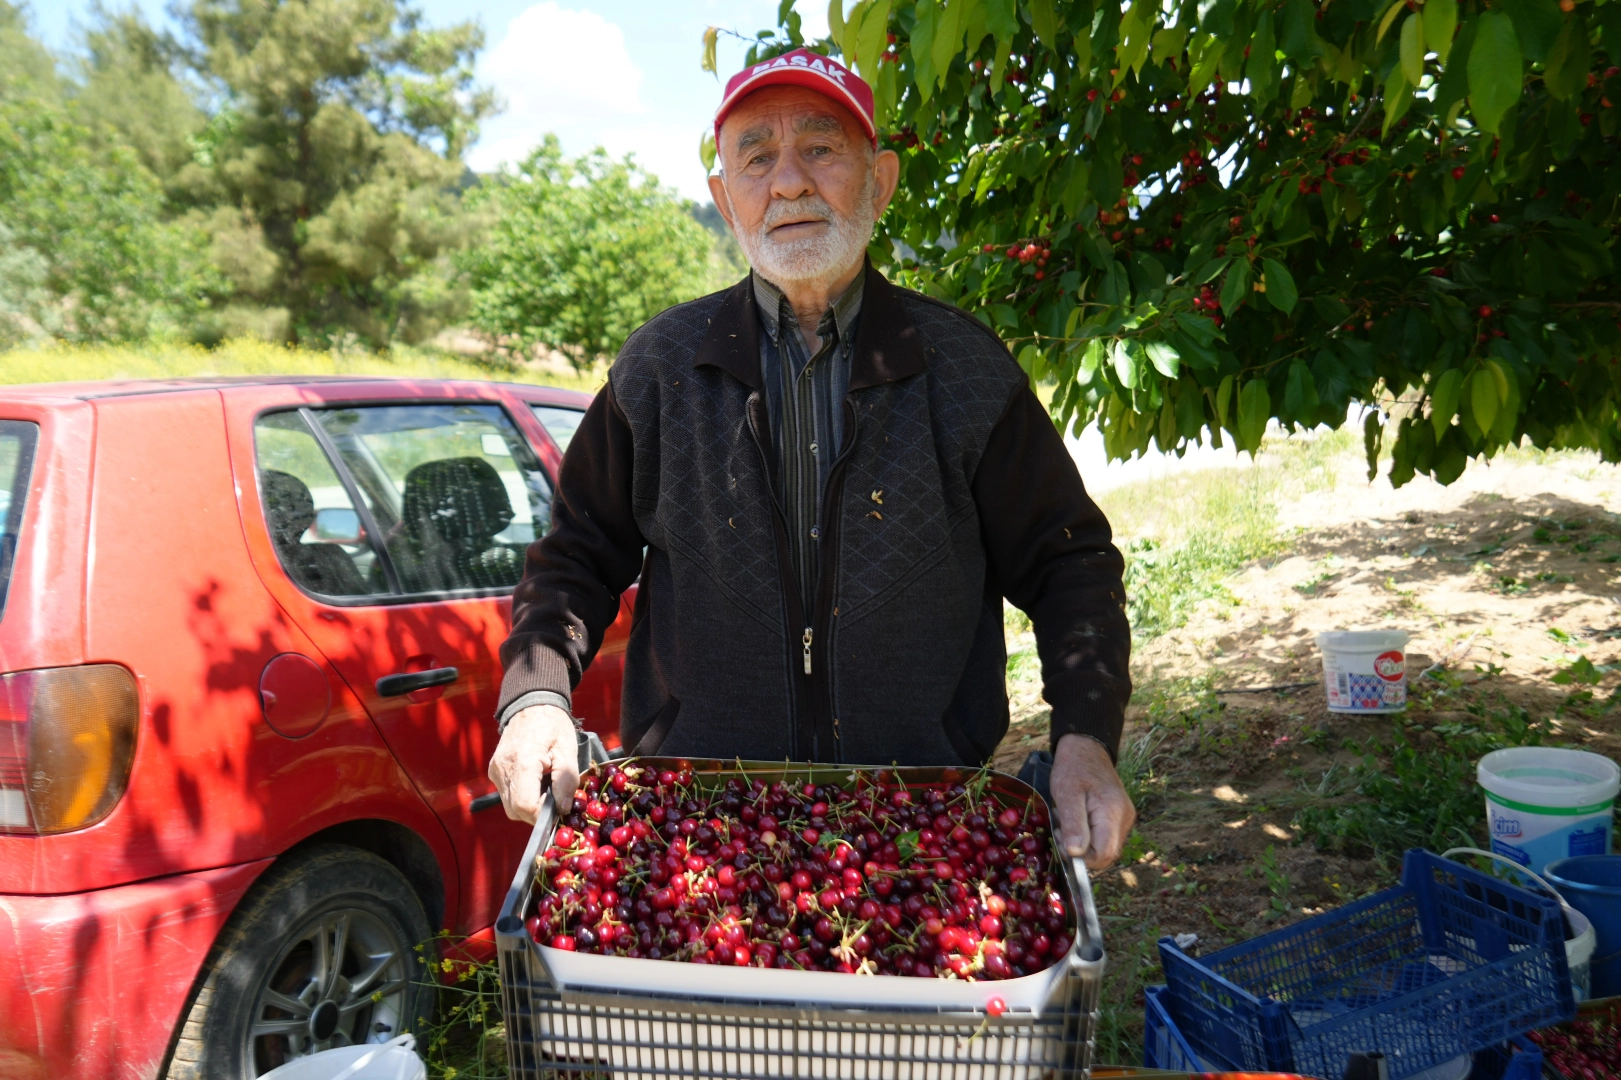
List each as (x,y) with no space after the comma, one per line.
(1545,803)
(1364,671)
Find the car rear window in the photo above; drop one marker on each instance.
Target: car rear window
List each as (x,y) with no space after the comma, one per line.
(559,421)
(17,441)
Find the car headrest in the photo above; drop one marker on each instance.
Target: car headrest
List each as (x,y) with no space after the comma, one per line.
(289,508)
(462,499)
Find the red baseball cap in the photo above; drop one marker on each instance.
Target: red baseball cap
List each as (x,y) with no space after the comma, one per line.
(810,70)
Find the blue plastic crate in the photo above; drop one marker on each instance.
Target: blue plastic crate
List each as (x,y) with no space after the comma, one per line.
(1165,1048)
(1163,1045)
(1449,962)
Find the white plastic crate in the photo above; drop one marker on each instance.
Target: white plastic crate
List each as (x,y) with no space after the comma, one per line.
(579,1015)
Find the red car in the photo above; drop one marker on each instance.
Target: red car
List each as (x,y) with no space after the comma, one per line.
(249,635)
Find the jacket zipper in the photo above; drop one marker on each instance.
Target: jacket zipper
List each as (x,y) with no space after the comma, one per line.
(800,705)
(826,581)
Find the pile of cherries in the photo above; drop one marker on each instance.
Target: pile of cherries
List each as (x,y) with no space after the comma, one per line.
(878,877)
(1584,1050)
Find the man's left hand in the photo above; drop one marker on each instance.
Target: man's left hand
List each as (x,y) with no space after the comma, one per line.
(1094,810)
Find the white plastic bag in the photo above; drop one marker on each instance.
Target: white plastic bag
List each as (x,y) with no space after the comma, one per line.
(393,1060)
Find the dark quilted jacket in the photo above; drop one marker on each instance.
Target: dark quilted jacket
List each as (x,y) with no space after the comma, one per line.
(951,490)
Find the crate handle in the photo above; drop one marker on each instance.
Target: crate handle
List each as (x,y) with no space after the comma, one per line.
(1088,946)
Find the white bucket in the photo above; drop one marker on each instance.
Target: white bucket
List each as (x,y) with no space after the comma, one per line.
(1544,803)
(393,1060)
(1365,671)
(1580,938)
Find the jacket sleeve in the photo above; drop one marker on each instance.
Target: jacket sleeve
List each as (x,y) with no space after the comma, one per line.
(573,576)
(1050,554)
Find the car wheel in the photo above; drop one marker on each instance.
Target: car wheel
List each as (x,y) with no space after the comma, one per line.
(322,953)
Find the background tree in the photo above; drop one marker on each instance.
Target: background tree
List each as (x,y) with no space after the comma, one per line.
(1202,214)
(85,252)
(127,88)
(328,173)
(578,254)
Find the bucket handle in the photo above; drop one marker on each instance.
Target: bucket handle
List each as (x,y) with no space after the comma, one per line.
(1527,871)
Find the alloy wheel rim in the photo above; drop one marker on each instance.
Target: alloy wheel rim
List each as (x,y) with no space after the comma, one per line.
(341,980)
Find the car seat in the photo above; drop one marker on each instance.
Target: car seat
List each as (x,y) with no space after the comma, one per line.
(290,511)
(451,510)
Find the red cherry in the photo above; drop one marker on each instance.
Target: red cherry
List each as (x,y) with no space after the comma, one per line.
(811,836)
(1485,311)
(1458,172)
(996,1006)
(564,942)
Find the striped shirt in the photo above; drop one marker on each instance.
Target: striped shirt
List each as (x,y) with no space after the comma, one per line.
(805,397)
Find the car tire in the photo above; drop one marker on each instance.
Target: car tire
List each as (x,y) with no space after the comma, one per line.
(268,996)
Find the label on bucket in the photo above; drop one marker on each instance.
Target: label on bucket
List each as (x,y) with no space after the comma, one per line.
(1535,836)
(1381,688)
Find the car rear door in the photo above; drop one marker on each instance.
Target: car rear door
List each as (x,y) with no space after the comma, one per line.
(551,417)
(390,522)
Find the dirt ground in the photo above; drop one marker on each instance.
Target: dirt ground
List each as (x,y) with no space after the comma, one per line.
(1502,580)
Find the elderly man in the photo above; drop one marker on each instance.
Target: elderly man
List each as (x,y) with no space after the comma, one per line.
(827,485)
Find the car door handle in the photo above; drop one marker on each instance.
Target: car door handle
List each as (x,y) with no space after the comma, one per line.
(484,802)
(404,682)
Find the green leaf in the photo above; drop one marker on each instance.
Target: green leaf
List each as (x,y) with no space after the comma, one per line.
(835,24)
(1163,357)
(1565,74)
(1482,389)
(706,150)
(906,844)
(1002,19)
(1254,409)
(1236,288)
(1373,436)
(1199,327)
(1412,49)
(1280,285)
(1444,400)
(1496,72)
(1091,359)
(1210,270)
(1398,95)
(1224,398)
(1300,394)
(873,38)
(1044,21)
(1395,8)
(922,47)
(1125,369)
(1440,24)
(948,32)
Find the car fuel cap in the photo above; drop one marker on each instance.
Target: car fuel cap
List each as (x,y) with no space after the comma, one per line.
(294,694)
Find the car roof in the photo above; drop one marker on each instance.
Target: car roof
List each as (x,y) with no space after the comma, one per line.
(65,392)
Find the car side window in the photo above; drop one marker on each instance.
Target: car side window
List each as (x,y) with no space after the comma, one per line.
(455,491)
(559,421)
(313,524)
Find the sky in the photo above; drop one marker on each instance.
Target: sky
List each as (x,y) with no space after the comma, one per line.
(622,74)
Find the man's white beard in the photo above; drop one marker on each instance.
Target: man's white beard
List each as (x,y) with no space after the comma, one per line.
(810,259)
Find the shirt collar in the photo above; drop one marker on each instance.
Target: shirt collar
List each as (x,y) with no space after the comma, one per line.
(776,312)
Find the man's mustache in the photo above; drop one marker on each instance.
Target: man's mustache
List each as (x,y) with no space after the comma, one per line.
(779,213)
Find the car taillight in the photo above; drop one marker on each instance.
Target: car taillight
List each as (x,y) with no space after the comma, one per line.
(67,740)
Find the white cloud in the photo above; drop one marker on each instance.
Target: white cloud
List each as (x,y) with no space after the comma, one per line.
(561,71)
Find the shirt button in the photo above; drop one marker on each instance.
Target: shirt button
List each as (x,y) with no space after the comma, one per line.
(813,448)
(816,533)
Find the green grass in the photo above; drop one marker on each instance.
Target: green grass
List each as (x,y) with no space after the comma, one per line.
(1184,536)
(79,363)
(1414,792)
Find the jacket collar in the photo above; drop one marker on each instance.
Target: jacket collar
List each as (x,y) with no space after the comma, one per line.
(887,346)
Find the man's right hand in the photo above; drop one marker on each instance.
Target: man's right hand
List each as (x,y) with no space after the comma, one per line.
(538,742)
